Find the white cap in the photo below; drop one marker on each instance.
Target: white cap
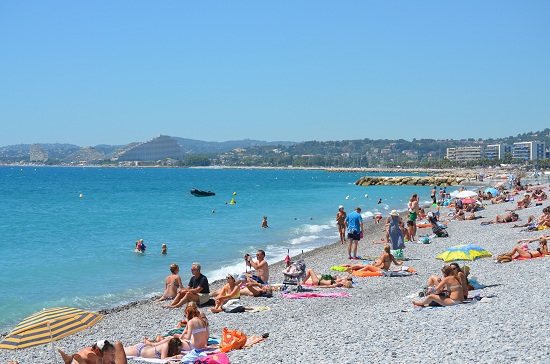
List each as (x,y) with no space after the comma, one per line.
(100,344)
(340,207)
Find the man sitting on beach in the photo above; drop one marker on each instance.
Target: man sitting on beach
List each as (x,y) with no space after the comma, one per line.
(261,267)
(197,291)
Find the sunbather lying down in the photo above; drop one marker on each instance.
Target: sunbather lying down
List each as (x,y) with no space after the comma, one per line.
(510,217)
(523,251)
(381,264)
(256,289)
(327,280)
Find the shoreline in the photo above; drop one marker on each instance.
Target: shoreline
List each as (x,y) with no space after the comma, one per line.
(481,331)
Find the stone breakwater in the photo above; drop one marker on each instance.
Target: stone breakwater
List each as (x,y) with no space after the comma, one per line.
(435,180)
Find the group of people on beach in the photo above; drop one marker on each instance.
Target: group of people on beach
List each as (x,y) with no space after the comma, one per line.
(451,288)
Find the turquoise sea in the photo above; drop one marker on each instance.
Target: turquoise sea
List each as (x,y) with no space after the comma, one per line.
(67,235)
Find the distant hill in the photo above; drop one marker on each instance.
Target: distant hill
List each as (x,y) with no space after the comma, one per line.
(192,146)
(434,148)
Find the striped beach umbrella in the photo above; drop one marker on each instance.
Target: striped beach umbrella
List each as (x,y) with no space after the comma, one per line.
(463,252)
(49,325)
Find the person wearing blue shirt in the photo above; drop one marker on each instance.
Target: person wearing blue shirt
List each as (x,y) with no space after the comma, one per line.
(354,226)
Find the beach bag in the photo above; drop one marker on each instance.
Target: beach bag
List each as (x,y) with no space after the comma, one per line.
(232,339)
(504,258)
(233,306)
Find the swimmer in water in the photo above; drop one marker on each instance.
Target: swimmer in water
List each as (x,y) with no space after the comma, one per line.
(264,222)
(379,201)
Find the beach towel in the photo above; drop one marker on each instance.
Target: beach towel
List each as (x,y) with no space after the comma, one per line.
(218,358)
(314,295)
(256,308)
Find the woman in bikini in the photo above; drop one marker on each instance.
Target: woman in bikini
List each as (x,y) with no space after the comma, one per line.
(169,348)
(434,280)
(341,222)
(230,291)
(381,265)
(326,280)
(195,335)
(173,284)
(524,251)
(450,283)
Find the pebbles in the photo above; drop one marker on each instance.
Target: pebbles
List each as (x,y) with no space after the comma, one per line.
(370,326)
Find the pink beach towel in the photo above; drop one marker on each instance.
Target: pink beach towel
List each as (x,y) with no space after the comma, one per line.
(314,295)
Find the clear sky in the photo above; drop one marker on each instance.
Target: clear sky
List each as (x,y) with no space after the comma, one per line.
(114,72)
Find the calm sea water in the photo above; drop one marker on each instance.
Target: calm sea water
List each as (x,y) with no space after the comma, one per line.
(67,235)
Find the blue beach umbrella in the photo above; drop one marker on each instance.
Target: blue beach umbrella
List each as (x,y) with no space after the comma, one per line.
(463,252)
(493,191)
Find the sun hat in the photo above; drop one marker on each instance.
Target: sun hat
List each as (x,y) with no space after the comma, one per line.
(393,213)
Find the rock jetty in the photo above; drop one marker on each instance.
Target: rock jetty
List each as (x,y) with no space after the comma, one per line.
(433,180)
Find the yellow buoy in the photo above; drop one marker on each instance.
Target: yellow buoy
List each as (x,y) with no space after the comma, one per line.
(234,193)
(81,195)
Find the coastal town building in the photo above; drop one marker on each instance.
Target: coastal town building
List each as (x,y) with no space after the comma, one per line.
(159,148)
(38,154)
(529,150)
(465,154)
(497,151)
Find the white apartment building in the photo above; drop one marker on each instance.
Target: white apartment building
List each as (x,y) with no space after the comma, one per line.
(529,150)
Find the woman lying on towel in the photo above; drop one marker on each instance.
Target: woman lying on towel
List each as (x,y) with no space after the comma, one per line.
(326,280)
(195,335)
(165,349)
(380,265)
(523,250)
(452,284)
(434,280)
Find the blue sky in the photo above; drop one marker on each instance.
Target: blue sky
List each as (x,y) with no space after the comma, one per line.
(114,72)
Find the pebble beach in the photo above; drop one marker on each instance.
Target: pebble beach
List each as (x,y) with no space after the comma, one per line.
(377,323)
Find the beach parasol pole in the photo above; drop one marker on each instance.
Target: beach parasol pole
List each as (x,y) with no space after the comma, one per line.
(53,348)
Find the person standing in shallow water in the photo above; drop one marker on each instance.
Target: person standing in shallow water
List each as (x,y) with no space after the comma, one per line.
(264,222)
(341,223)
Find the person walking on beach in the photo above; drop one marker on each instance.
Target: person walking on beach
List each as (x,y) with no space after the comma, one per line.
(413,213)
(393,224)
(341,223)
(197,291)
(354,226)
(432,195)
